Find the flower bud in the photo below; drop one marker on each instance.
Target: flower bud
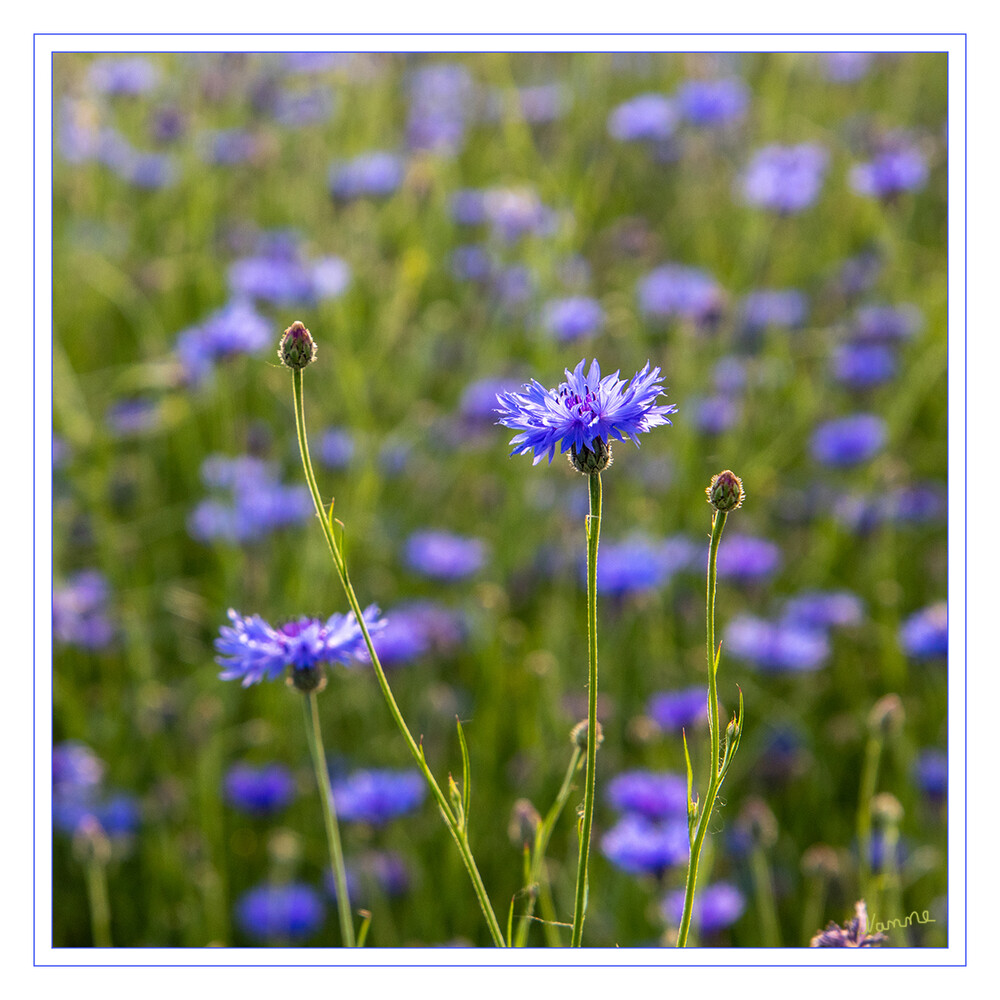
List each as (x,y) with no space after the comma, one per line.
(596,458)
(307,679)
(524,823)
(725,492)
(887,809)
(297,348)
(821,861)
(578,735)
(886,716)
(759,823)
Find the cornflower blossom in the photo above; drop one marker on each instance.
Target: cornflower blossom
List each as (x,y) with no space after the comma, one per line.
(854,934)
(713,103)
(295,108)
(773,307)
(885,323)
(418,628)
(443,555)
(655,795)
(714,415)
(80,611)
(537,104)
(891,172)
(930,771)
(336,448)
(862,366)
(259,791)
(675,710)
(687,293)
(372,874)
(716,907)
(514,213)
(640,846)
(822,609)
(639,563)
(849,440)
(371,175)
(846,67)
(75,768)
(784,179)
(571,318)
(227,147)
(283,279)
(377,796)
(478,401)
(645,118)
(126,76)
(745,558)
(776,646)
(584,413)
(252,651)
(133,417)
(235,329)
(440,102)
(924,635)
(79,796)
(276,914)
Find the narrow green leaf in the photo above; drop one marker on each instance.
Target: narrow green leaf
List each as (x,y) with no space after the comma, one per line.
(510,922)
(366,922)
(692,804)
(466,773)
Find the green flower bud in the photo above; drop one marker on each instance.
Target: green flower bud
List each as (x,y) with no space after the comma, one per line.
(579,734)
(297,348)
(524,823)
(886,716)
(590,460)
(725,492)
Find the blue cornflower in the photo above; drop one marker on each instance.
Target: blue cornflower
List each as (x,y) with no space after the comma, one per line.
(76,769)
(785,179)
(537,104)
(513,213)
(443,555)
(640,846)
(924,635)
(646,118)
(824,609)
(418,628)
(931,773)
(253,651)
(79,796)
(80,613)
(715,907)
(275,914)
(309,107)
(471,262)
(713,102)
(846,67)
(371,175)
(336,448)
(920,503)
(714,415)
(374,873)
(639,563)
(675,710)
(776,646)
(260,791)
(861,366)
(478,403)
(773,307)
(886,323)
(228,146)
(130,76)
(675,291)
(746,558)
(584,413)
(571,318)
(892,171)
(133,416)
(848,440)
(377,796)
(235,329)
(655,795)
(440,99)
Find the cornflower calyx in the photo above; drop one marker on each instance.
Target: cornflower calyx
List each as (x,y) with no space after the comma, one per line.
(297,348)
(725,492)
(587,461)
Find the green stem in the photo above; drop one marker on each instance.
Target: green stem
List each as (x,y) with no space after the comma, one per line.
(311,707)
(536,875)
(718,523)
(767,915)
(100,906)
(869,782)
(456,827)
(593,537)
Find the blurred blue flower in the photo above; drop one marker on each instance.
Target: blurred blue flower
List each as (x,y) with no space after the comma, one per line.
(440,102)
(228,146)
(848,440)
(640,846)
(478,403)
(821,609)
(654,794)
(639,562)
(846,67)
(370,175)
(372,874)
(675,291)
(257,502)
(282,277)
(235,329)
(746,558)
(773,307)
(280,914)
(729,374)
(885,323)
(570,318)
(646,118)
(76,769)
(713,102)
(336,448)
(80,611)
(295,108)
(920,503)
(377,796)
(892,171)
(785,179)
(863,365)
(715,907)
(471,262)
(930,771)
(117,814)
(251,650)
(513,213)
(130,75)
(775,646)
(924,635)
(260,791)
(537,104)
(584,409)
(714,415)
(468,206)
(676,710)
(443,555)
(133,416)
(418,628)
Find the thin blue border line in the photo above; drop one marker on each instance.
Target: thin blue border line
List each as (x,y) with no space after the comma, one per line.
(965,46)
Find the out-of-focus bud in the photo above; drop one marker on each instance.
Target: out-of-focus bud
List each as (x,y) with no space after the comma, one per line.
(886,716)
(524,823)
(578,734)
(886,808)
